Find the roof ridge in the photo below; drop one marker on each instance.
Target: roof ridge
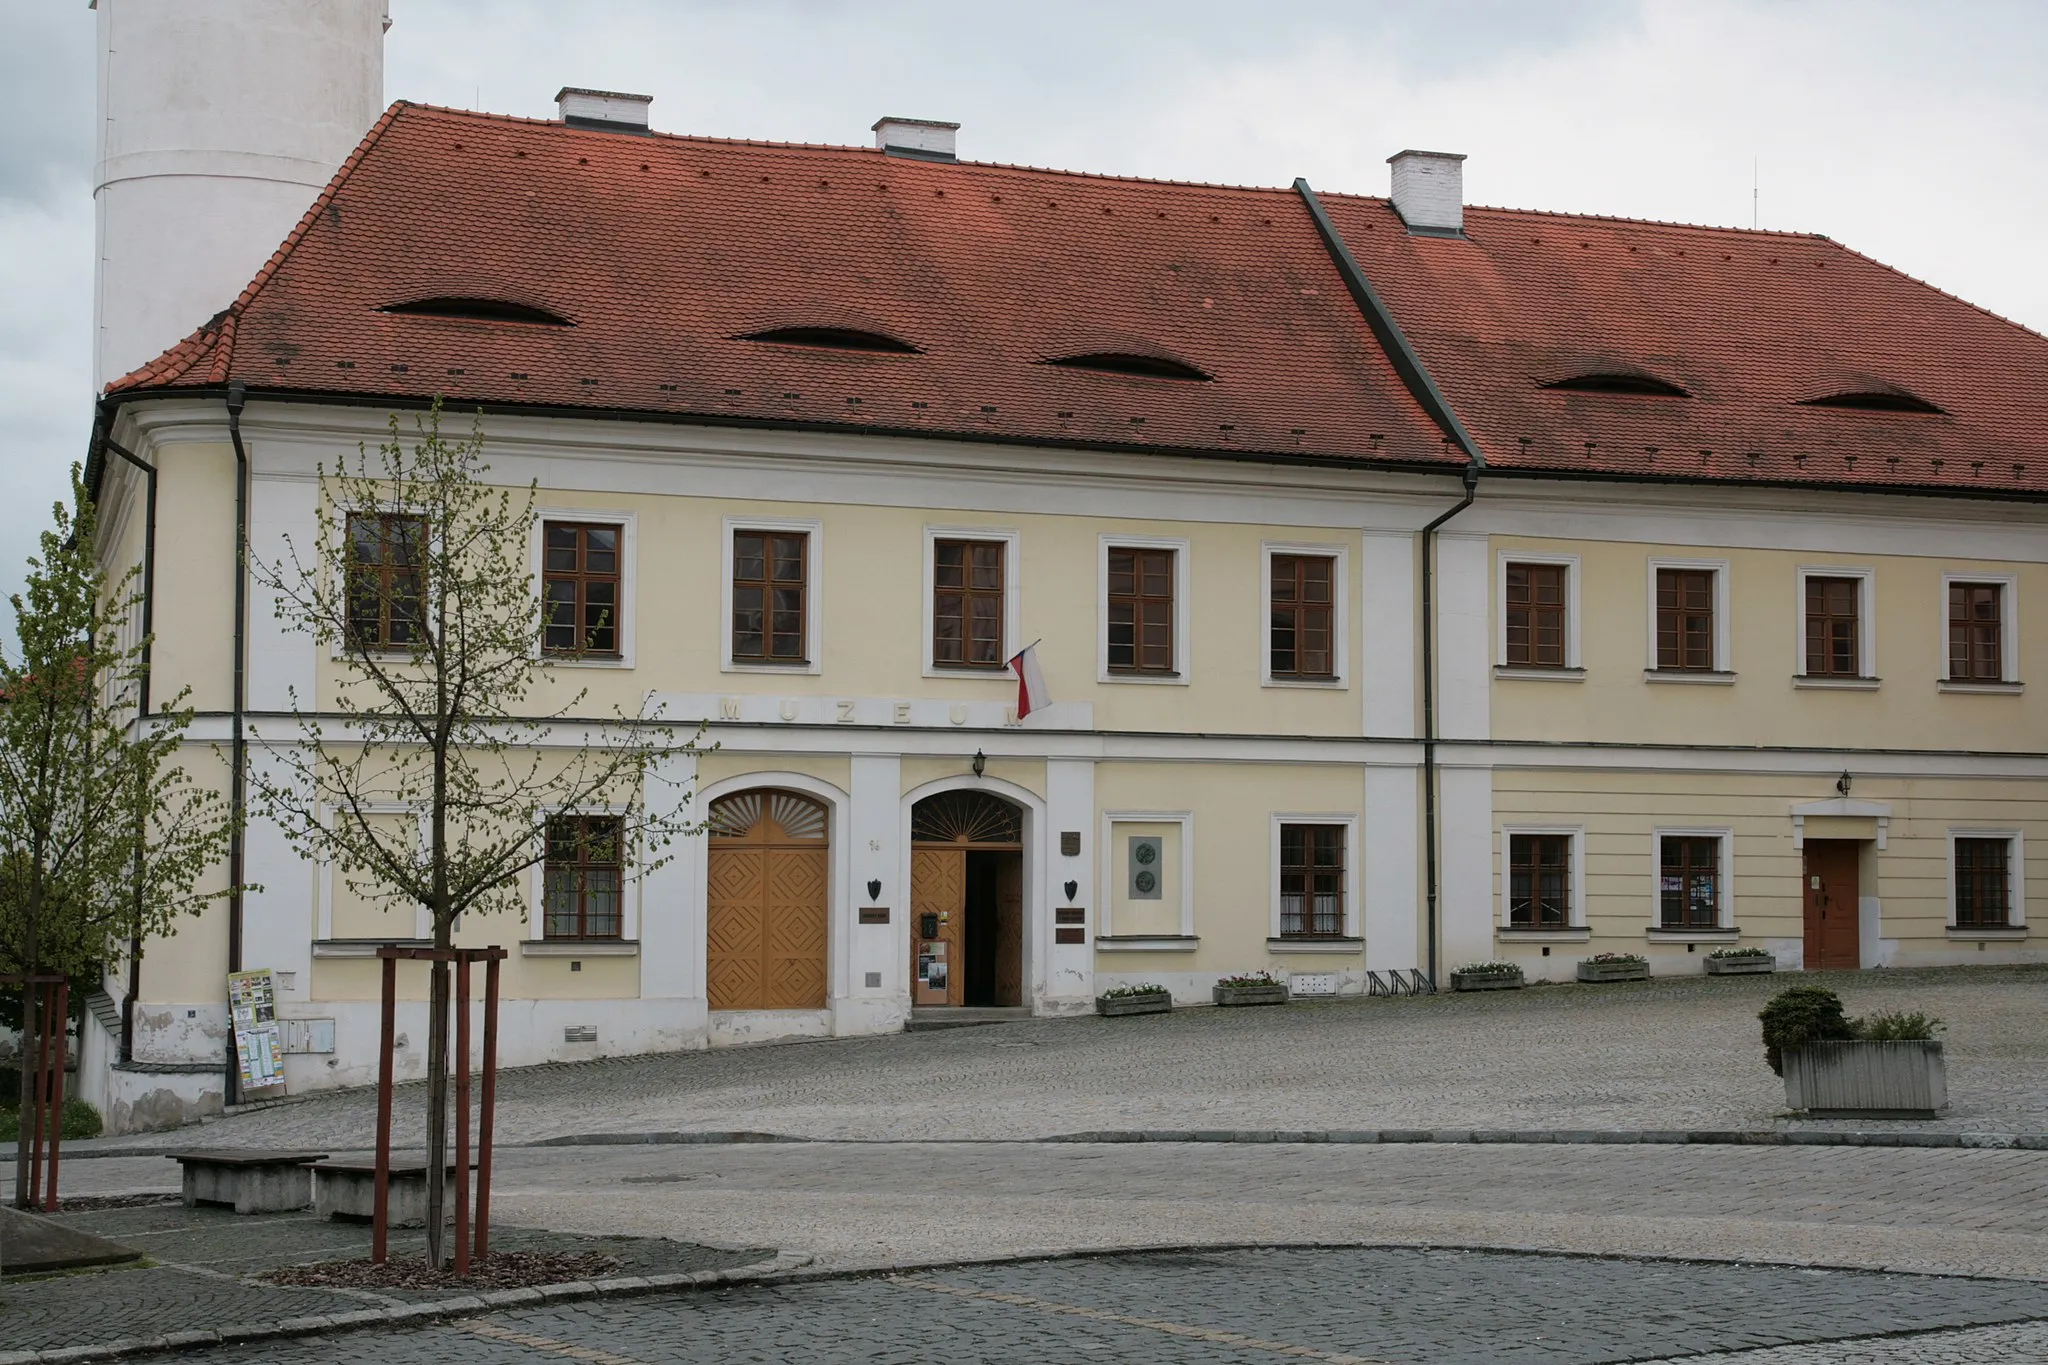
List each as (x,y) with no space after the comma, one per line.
(1911,278)
(1611,218)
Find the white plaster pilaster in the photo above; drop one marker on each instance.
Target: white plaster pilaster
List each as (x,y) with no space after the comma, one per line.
(1465,905)
(875,855)
(278,921)
(1464,675)
(1387,634)
(1069,806)
(1391,881)
(672,896)
(281,661)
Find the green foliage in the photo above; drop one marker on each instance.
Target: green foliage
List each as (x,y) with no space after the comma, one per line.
(1800,1015)
(1740,953)
(1251,979)
(1122,992)
(1629,959)
(80,1120)
(1489,969)
(1899,1026)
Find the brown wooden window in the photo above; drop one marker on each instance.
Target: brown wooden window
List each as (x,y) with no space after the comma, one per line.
(967,604)
(1312,881)
(1140,611)
(769,596)
(585,877)
(387,555)
(1833,628)
(1536,615)
(580,575)
(1685,619)
(1539,881)
(1983,883)
(1304,643)
(1976,632)
(1689,881)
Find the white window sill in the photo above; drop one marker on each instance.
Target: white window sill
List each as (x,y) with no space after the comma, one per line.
(1144,679)
(1520,674)
(2006,935)
(1576,933)
(1989,689)
(1146,943)
(1315,945)
(1698,677)
(1313,684)
(570,661)
(1658,934)
(1835,684)
(785,669)
(579,947)
(997,674)
(363,947)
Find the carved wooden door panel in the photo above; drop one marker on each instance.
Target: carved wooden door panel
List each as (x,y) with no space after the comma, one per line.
(1010,930)
(766,931)
(938,903)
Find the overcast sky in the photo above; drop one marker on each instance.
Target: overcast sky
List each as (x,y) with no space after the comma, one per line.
(1914,132)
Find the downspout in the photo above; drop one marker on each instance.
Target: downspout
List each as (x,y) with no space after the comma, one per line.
(239,754)
(1408,365)
(142,718)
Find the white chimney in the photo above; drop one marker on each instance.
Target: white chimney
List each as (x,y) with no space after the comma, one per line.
(1429,192)
(608,110)
(922,138)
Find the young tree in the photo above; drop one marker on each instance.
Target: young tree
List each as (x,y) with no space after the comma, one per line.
(102,833)
(450,708)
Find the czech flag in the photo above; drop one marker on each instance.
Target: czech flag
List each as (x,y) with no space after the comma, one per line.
(1031,693)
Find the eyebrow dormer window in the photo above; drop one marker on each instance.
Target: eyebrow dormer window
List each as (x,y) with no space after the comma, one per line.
(1874,400)
(477,310)
(1137,366)
(1639,384)
(835,339)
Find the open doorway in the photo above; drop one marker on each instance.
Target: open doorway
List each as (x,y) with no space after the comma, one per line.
(966,901)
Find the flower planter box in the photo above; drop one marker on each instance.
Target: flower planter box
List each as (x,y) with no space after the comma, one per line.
(1152,1002)
(1741,966)
(1486,981)
(1275,994)
(1853,1080)
(1614,971)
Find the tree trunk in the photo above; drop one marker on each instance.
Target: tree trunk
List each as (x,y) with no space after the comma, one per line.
(437,1113)
(24,1197)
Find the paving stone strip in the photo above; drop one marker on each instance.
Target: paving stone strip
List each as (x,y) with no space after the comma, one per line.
(1577,1137)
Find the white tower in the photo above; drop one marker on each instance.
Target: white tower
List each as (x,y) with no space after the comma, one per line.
(219,122)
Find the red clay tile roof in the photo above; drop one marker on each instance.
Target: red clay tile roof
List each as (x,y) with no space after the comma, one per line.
(662,250)
(1750,324)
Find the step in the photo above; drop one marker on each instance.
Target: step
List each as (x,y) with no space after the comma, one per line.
(924,1018)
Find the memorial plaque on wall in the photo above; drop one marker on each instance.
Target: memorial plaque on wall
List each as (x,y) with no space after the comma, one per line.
(1147,865)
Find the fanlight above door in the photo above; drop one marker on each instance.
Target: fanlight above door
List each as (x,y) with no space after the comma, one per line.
(768,816)
(966,817)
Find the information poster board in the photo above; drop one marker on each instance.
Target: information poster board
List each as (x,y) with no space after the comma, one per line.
(259,1043)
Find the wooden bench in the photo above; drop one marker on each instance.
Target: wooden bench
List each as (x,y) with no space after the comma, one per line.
(346,1191)
(248,1180)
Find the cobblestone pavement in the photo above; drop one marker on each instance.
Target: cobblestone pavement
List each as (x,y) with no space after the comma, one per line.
(2024,1344)
(202,1258)
(1350,1306)
(1663,1054)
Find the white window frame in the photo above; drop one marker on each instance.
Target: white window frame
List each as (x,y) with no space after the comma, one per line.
(1340,613)
(814,594)
(1183,652)
(2015,865)
(1575,913)
(1570,564)
(1352,908)
(2008,585)
(422,918)
(1013,577)
(1724,915)
(630,870)
(1866,626)
(1721,672)
(1111,867)
(628,524)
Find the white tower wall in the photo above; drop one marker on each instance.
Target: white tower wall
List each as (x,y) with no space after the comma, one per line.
(219,122)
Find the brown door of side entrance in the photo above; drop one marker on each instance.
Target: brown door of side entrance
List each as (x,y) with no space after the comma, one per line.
(1833,930)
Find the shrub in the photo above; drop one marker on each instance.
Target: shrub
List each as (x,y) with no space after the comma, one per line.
(1899,1026)
(1633,959)
(80,1120)
(1144,988)
(1488,969)
(1801,1015)
(1250,979)
(1740,952)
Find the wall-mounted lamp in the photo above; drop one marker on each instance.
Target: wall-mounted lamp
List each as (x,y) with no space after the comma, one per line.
(980,762)
(1842,783)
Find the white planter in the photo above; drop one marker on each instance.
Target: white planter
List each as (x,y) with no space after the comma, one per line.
(1851,1080)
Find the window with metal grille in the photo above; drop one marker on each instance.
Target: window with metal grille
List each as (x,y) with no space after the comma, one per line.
(1685,619)
(1983,883)
(967,604)
(1303,643)
(1976,636)
(1140,611)
(1833,612)
(1689,881)
(1312,881)
(387,554)
(1536,615)
(585,877)
(769,591)
(1539,881)
(580,579)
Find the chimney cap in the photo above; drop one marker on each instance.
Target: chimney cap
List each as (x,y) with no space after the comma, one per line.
(608,110)
(923,139)
(1429,192)
(1440,156)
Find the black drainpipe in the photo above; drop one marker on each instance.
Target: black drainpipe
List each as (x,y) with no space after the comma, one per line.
(237,782)
(1429,705)
(142,718)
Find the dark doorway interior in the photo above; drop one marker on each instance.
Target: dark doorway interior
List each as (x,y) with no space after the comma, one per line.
(994,958)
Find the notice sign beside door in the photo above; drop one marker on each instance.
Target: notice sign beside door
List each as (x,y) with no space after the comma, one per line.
(259,1044)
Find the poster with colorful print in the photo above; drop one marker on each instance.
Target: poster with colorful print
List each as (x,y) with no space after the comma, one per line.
(259,1043)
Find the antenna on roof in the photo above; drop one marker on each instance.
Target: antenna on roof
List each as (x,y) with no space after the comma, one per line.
(1754,182)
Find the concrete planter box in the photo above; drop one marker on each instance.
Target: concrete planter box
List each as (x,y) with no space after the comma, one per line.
(1614,971)
(1152,1002)
(1858,1080)
(1741,966)
(1275,994)
(1487,981)
(346,1191)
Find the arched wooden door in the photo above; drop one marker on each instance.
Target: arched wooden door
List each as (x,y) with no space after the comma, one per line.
(966,900)
(766,930)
